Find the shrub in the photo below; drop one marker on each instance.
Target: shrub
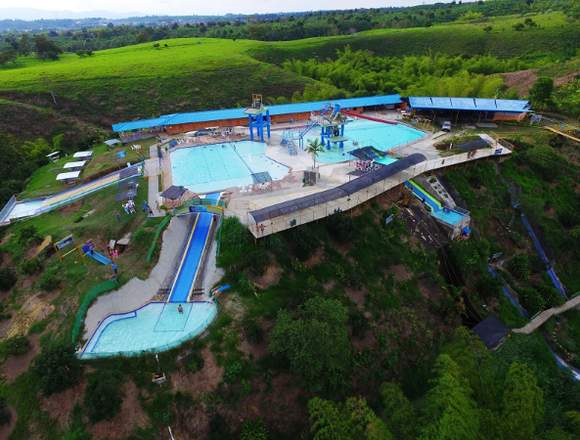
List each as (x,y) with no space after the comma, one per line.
(5,415)
(16,346)
(253,331)
(57,368)
(254,430)
(532,300)
(7,278)
(519,266)
(103,396)
(194,362)
(29,234)
(50,280)
(31,266)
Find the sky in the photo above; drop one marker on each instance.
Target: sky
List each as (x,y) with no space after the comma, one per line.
(192,7)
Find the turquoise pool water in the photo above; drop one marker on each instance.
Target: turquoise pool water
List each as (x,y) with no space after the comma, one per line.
(450,217)
(362,133)
(152,328)
(216,167)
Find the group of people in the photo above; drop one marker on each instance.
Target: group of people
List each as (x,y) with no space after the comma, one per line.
(365,166)
(129,207)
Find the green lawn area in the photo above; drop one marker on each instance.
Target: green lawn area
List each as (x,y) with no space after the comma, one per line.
(76,272)
(43,182)
(201,73)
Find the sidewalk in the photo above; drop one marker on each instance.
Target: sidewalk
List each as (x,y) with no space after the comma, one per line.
(152,172)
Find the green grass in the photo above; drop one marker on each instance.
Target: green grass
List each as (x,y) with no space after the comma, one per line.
(201,73)
(554,35)
(79,273)
(43,181)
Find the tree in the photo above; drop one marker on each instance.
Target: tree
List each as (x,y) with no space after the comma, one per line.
(46,49)
(450,410)
(5,414)
(519,266)
(103,396)
(8,56)
(352,420)
(315,342)
(57,368)
(398,411)
(7,278)
(314,148)
(476,365)
(254,430)
(541,92)
(522,404)
(24,45)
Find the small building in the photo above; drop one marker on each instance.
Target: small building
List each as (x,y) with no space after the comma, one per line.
(492,332)
(470,109)
(83,155)
(112,142)
(68,177)
(54,156)
(175,196)
(75,166)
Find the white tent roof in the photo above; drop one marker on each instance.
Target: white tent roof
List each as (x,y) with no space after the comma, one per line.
(68,176)
(77,164)
(82,154)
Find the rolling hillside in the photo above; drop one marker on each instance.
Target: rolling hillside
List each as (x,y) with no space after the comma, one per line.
(197,73)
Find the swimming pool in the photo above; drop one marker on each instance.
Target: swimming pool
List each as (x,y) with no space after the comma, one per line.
(362,133)
(220,166)
(154,327)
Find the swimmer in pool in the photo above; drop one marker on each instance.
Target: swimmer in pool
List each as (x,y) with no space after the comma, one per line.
(180,308)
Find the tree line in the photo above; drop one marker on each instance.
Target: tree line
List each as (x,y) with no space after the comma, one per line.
(280,27)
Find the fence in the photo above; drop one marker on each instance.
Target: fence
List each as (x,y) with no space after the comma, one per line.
(88,299)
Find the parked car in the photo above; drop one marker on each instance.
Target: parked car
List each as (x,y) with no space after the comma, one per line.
(446,126)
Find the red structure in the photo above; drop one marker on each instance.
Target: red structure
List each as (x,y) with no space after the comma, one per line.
(370,118)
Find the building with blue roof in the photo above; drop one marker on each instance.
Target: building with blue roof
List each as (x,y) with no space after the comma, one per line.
(481,108)
(183,122)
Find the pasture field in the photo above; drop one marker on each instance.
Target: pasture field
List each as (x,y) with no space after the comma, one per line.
(198,73)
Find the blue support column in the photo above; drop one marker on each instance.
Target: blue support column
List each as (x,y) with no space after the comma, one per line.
(251,127)
(268,122)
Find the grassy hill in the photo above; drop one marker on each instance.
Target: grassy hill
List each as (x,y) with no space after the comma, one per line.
(199,73)
(554,34)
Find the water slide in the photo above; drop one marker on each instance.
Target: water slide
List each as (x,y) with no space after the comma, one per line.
(370,118)
(17,209)
(99,258)
(423,195)
(542,254)
(508,294)
(191,260)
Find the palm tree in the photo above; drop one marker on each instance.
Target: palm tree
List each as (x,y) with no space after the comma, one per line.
(314,147)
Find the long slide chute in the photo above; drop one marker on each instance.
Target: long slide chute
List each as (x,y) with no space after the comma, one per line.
(370,118)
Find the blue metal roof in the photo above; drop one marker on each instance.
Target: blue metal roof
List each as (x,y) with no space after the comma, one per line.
(236,113)
(474,104)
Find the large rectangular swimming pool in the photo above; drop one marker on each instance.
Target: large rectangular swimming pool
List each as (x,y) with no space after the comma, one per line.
(363,133)
(220,166)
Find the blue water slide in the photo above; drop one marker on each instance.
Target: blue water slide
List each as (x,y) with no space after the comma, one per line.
(508,294)
(423,196)
(189,266)
(100,258)
(542,254)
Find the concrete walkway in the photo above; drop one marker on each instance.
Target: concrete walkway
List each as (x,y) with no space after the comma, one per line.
(138,292)
(152,171)
(540,319)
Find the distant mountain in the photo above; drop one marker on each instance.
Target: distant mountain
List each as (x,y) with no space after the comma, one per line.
(39,14)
